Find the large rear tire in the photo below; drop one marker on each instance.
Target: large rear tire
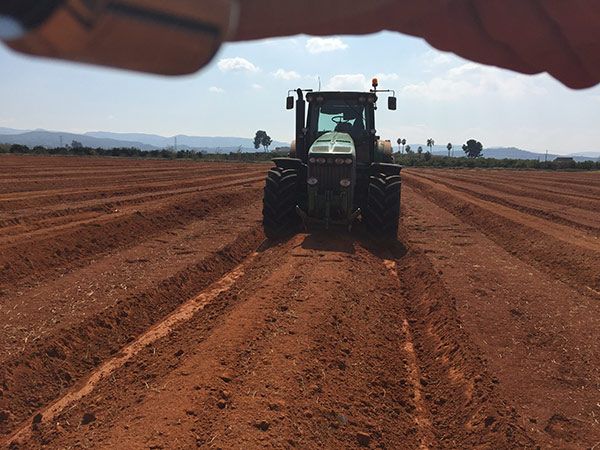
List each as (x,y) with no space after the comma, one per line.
(382,214)
(280,198)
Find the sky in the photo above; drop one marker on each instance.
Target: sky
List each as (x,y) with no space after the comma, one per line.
(440,95)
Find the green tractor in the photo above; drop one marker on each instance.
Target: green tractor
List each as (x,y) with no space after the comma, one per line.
(338,171)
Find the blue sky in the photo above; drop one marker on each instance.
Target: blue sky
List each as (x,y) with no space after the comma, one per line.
(244,88)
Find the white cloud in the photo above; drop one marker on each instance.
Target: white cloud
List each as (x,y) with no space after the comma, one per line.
(472,80)
(236,64)
(257,87)
(348,82)
(358,81)
(287,75)
(434,57)
(216,90)
(464,69)
(321,45)
(383,77)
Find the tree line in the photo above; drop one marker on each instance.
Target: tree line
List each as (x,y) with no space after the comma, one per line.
(131,152)
(472,148)
(429,160)
(408,158)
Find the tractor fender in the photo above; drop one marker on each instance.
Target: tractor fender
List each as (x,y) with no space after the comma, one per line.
(386,168)
(385,147)
(289,163)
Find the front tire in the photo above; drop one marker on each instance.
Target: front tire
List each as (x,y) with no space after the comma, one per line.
(382,214)
(279,203)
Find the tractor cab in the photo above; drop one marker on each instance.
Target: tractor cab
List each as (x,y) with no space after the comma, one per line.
(351,113)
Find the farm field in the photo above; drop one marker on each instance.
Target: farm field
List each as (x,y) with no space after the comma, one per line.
(142,307)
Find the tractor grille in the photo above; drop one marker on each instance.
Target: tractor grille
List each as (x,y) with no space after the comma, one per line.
(329,175)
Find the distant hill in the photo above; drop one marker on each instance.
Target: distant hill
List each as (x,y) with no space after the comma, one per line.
(517,153)
(53,139)
(144,141)
(508,153)
(103,139)
(184,141)
(587,154)
(4,130)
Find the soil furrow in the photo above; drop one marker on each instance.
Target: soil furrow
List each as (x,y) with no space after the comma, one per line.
(572,257)
(59,252)
(536,334)
(574,217)
(77,212)
(67,355)
(522,187)
(47,197)
(583,184)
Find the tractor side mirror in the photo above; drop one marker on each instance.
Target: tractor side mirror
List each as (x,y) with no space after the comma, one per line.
(392,103)
(289,102)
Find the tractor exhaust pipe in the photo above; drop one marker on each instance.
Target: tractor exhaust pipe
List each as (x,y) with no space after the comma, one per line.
(301,150)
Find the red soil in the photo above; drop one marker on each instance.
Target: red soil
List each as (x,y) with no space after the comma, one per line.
(142,308)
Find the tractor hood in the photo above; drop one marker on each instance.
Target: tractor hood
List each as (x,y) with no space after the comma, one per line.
(333,143)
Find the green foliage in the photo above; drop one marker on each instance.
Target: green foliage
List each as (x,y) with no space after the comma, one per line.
(262,138)
(473,148)
(410,158)
(415,160)
(137,153)
(430,144)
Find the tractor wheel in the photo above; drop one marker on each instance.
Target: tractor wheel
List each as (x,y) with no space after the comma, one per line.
(383,206)
(279,203)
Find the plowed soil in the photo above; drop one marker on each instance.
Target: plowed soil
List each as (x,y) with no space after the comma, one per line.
(142,307)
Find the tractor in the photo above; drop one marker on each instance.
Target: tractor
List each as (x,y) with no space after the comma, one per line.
(338,170)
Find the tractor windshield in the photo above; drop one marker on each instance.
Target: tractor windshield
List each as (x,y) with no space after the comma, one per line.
(341,115)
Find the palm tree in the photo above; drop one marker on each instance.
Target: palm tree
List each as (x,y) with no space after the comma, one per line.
(430,143)
(399,142)
(449,147)
(403,144)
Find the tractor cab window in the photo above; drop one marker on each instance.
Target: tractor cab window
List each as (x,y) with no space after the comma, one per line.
(341,115)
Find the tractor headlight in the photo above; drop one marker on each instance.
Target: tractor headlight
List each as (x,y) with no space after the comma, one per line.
(348,161)
(321,161)
(345,182)
(339,161)
(312,181)
(312,160)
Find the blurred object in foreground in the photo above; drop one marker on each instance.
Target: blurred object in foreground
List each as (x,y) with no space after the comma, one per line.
(180,36)
(164,37)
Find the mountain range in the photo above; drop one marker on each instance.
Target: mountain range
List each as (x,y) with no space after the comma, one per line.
(507,153)
(144,141)
(104,139)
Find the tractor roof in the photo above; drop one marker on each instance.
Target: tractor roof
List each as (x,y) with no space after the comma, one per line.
(339,94)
